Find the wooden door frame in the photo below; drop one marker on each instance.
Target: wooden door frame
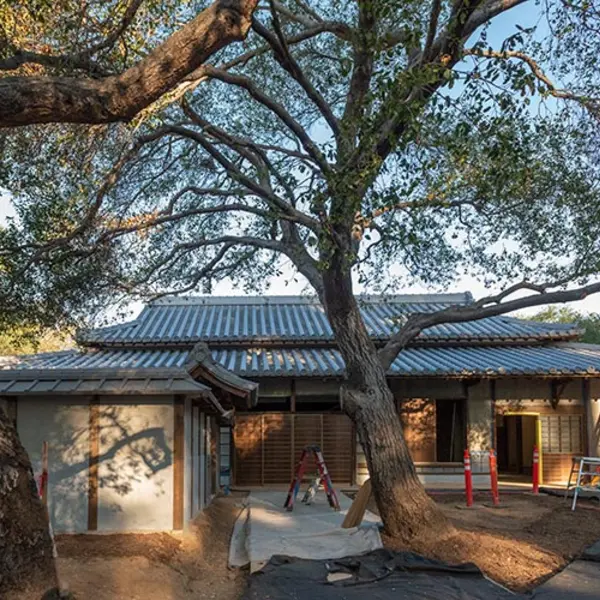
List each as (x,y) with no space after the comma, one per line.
(538,433)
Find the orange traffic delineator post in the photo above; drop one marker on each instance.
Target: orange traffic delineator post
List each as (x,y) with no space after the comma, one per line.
(494,477)
(468,478)
(536,470)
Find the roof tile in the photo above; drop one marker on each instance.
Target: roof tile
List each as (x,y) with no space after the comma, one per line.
(247,320)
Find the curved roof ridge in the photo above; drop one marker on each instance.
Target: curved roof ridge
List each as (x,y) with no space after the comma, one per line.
(458,298)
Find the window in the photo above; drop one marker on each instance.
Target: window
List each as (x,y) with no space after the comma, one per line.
(561,434)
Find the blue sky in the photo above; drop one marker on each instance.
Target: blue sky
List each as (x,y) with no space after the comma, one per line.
(525,15)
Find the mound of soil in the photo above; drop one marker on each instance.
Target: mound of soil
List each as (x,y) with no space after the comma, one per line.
(156,566)
(519,545)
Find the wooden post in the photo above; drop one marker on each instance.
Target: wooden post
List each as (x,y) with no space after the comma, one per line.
(11,409)
(293,446)
(293,396)
(591,445)
(178,467)
(93,463)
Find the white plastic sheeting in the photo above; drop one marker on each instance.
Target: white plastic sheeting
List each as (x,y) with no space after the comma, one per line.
(314,531)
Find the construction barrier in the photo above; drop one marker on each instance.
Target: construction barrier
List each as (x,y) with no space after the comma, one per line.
(468,478)
(494,477)
(536,470)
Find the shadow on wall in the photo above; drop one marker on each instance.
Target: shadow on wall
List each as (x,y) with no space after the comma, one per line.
(418,418)
(134,466)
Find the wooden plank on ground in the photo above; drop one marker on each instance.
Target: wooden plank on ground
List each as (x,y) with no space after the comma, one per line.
(357,511)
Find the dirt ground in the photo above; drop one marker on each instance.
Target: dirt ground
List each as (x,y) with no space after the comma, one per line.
(520,544)
(157,566)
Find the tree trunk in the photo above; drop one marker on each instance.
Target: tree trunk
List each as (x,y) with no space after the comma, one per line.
(405,508)
(25,547)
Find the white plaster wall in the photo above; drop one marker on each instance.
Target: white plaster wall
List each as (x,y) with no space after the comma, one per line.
(479,425)
(135,474)
(64,425)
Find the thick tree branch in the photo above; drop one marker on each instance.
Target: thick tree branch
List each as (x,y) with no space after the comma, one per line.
(290,65)
(436,9)
(360,80)
(277,203)
(276,108)
(490,306)
(27,100)
(486,12)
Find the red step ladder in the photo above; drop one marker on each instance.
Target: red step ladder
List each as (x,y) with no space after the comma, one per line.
(322,478)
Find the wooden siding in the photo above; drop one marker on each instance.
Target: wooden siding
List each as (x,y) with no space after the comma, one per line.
(556,467)
(268,446)
(276,452)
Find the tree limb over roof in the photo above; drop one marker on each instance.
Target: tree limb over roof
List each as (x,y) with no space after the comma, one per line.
(29,100)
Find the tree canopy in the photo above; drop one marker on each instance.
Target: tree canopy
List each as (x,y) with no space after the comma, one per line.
(444,151)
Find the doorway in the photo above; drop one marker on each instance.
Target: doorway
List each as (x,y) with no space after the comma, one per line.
(516,437)
(451,433)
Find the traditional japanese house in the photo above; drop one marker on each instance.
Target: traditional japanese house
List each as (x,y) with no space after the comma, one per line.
(148,418)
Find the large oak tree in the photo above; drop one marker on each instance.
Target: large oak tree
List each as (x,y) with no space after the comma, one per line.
(381,142)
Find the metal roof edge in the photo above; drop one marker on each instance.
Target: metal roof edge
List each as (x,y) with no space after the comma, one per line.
(93,373)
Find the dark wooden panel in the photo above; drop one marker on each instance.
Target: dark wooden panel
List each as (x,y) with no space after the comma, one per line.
(556,467)
(338,447)
(277,458)
(268,446)
(307,432)
(247,435)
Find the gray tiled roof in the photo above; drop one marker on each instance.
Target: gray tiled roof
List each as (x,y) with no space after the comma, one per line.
(557,359)
(246,320)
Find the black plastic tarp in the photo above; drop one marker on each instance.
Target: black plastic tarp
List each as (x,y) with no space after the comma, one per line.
(379,575)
